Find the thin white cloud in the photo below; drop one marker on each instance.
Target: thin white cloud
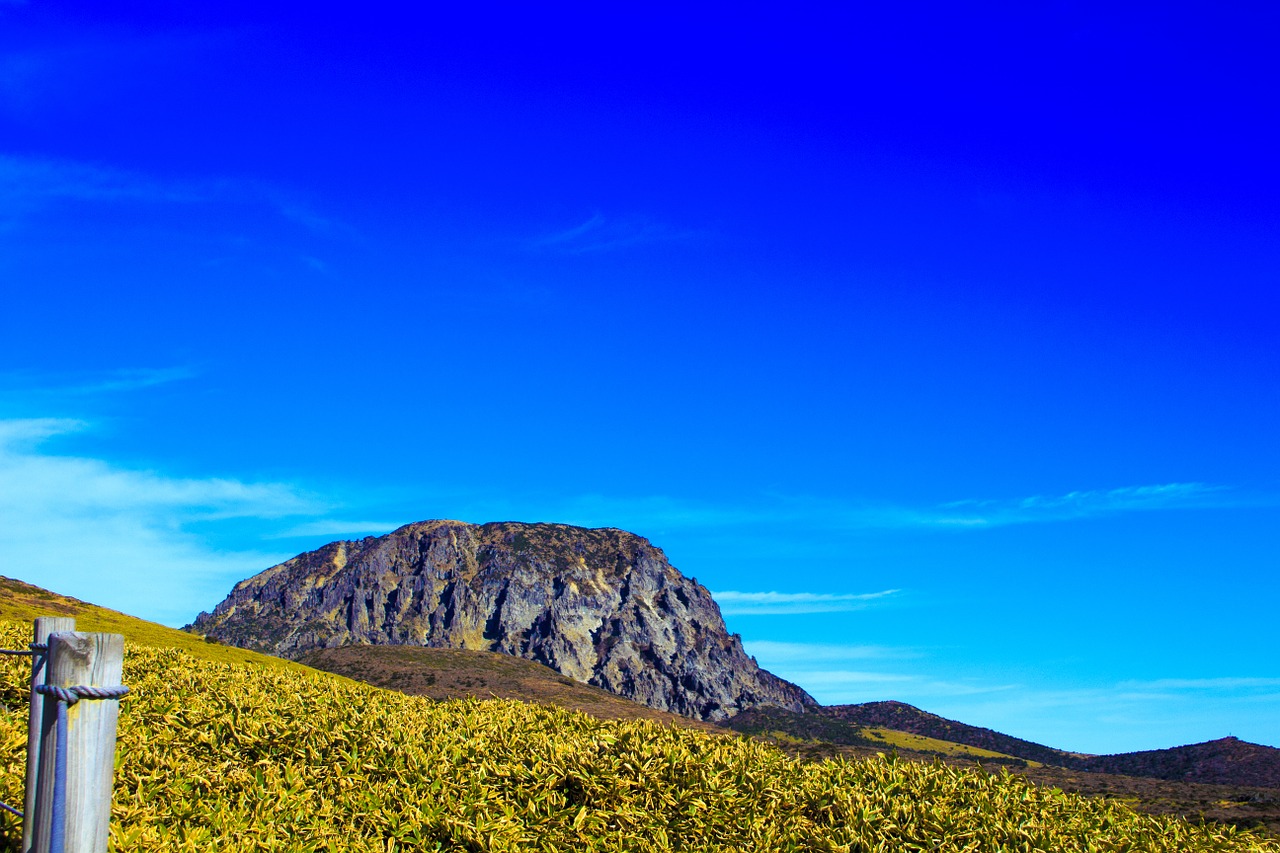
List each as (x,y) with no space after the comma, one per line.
(786,653)
(571,235)
(336,527)
(847,686)
(29,182)
(660,513)
(603,234)
(133,379)
(1083,504)
(119,536)
(25,432)
(32,183)
(1178,684)
(828,679)
(734,603)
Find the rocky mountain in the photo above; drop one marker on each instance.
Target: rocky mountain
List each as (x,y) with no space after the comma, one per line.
(601,606)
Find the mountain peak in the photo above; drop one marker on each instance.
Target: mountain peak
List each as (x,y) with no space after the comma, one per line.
(600,605)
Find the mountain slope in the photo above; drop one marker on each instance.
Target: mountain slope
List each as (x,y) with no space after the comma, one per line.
(601,606)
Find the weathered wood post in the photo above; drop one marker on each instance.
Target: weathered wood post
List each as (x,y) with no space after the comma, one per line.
(94,660)
(44,626)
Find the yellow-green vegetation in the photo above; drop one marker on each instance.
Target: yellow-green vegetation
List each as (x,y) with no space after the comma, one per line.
(221,755)
(462,673)
(919,743)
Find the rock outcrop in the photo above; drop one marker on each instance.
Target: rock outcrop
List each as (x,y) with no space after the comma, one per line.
(602,606)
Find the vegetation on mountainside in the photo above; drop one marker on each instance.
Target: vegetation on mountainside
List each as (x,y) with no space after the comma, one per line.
(815,727)
(223,755)
(468,673)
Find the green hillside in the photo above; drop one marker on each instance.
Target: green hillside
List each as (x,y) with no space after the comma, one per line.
(217,754)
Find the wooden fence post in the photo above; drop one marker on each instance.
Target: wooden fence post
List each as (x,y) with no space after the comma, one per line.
(44,626)
(95,660)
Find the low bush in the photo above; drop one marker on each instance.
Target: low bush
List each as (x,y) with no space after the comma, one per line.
(228,756)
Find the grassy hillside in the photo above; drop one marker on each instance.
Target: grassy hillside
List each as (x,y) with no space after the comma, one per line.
(227,755)
(817,729)
(23,602)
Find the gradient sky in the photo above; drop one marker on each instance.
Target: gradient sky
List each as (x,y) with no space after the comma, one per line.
(943,346)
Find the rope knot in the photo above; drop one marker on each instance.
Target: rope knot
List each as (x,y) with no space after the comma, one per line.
(72,695)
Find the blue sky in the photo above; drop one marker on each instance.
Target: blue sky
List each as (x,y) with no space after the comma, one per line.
(943,346)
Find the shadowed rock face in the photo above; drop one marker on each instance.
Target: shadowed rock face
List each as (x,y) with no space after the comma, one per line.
(601,606)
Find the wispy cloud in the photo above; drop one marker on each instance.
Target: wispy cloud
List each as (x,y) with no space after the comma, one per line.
(335,527)
(734,603)
(848,686)
(666,513)
(1082,504)
(49,385)
(28,184)
(1203,684)
(120,536)
(599,233)
(822,680)
(808,653)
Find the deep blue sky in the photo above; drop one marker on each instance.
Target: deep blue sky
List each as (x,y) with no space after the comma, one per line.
(942,345)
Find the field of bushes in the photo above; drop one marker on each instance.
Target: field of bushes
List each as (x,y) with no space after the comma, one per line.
(252,756)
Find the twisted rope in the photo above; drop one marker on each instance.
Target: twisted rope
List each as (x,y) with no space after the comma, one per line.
(66,697)
(72,695)
(31,650)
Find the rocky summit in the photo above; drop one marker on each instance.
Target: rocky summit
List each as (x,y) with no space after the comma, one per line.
(602,606)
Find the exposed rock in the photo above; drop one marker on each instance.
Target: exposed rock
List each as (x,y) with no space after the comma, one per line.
(601,606)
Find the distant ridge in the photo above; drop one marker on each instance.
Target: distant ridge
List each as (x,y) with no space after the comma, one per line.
(1226,761)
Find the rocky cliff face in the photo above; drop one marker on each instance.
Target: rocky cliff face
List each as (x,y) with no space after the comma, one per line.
(601,606)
